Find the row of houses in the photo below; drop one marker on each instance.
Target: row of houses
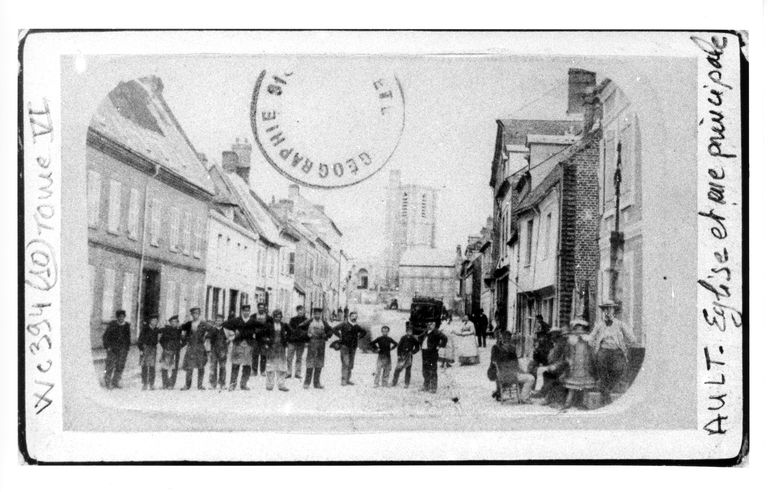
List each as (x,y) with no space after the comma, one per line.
(169,230)
(566,229)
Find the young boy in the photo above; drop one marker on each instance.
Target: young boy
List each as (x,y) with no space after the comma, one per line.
(407,346)
(170,341)
(148,347)
(383,345)
(219,340)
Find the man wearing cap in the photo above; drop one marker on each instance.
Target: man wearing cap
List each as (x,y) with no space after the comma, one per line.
(147,344)
(193,335)
(242,347)
(117,341)
(297,342)
(170,341)
(219,340)
(261,324)
(610,339)
(318,332)
(349,332)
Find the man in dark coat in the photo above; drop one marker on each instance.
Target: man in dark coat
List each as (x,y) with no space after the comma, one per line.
(407,346)
(481,327)
(349,332)
(297,342)
(543,342)
(117,341)
(147,344)
(193,335)
(275,339)
(318,332)
(242,347)
(435,340)
(552,389)
(170,341)
(260,321)
(219,340)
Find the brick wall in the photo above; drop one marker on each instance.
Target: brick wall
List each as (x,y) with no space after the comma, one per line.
(579,251)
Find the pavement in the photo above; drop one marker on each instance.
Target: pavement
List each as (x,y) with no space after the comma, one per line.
(462,390)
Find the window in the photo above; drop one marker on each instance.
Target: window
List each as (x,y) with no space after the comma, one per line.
(133,214)
(108,294)
(626,133)
(404,205)
(187,238)
(154,228)
(528,241)
(197,245)
(170,300)
(609,168)
(94,198)
(113,223)
(547,232)
(127,303)
(423,205)
(183,300)
(173,243)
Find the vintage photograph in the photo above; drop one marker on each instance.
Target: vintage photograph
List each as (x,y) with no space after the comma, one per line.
(305,243)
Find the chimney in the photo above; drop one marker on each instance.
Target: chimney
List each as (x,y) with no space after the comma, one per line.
(579,82)
(293,191)
(243,151)
(229,161)
(591,107)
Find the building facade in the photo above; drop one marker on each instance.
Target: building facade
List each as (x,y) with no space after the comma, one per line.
(427,272)
(148,198)
(410,221)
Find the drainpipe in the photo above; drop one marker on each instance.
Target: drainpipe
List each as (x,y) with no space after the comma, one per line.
(143,251)
(558,252)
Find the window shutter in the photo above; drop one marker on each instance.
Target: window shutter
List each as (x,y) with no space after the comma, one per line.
(127,302)
(183,301)
(154,230)
(174,240)
(108,294)
(199,235)
(187,238)
(133,214)
(113,224)
(94,198)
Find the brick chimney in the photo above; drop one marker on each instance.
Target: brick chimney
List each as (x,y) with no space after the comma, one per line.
(579,82)
(229,161)
(243,149)
(293,192)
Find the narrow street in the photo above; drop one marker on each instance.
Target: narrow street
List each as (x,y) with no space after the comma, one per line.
(462,391)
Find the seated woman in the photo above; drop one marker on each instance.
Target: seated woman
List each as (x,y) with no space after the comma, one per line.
(505,370)
(550,376)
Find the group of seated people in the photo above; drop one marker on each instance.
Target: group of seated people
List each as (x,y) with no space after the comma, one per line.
(567,363)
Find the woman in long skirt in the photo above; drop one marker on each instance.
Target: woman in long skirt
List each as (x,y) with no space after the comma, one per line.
(447,354)
(466,343)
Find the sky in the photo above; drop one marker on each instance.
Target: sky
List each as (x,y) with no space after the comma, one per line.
(451,107)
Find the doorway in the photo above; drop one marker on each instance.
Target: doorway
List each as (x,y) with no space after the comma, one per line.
(150,288)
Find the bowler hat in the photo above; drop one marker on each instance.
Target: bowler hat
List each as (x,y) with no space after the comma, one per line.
(192,310)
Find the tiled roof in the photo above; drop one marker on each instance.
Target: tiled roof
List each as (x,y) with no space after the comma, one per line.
(136,115)
(541,191)
(257,210)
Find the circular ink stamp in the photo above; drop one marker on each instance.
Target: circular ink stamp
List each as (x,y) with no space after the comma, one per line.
(327,128)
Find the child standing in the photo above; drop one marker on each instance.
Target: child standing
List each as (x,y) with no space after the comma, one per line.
(170,341)
(148,347)
(407,346)
(383,345)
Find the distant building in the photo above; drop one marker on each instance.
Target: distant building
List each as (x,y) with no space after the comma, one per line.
(410,221)
(427,272)
(148,197)
(476,280)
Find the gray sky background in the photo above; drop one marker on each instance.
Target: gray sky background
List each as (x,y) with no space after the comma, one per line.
(451,105)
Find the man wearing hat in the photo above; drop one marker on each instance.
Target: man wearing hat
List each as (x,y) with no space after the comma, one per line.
(193,335)
(349,332)
(318,332)
(147,344)
(610,339)
(242,347)
(170,341)
(117,341)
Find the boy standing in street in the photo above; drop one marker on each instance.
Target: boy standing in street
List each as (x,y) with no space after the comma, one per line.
(429,354)
(407,346)
(383,345)
(219,340)
(170,341)
(148,347)
(117,341)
